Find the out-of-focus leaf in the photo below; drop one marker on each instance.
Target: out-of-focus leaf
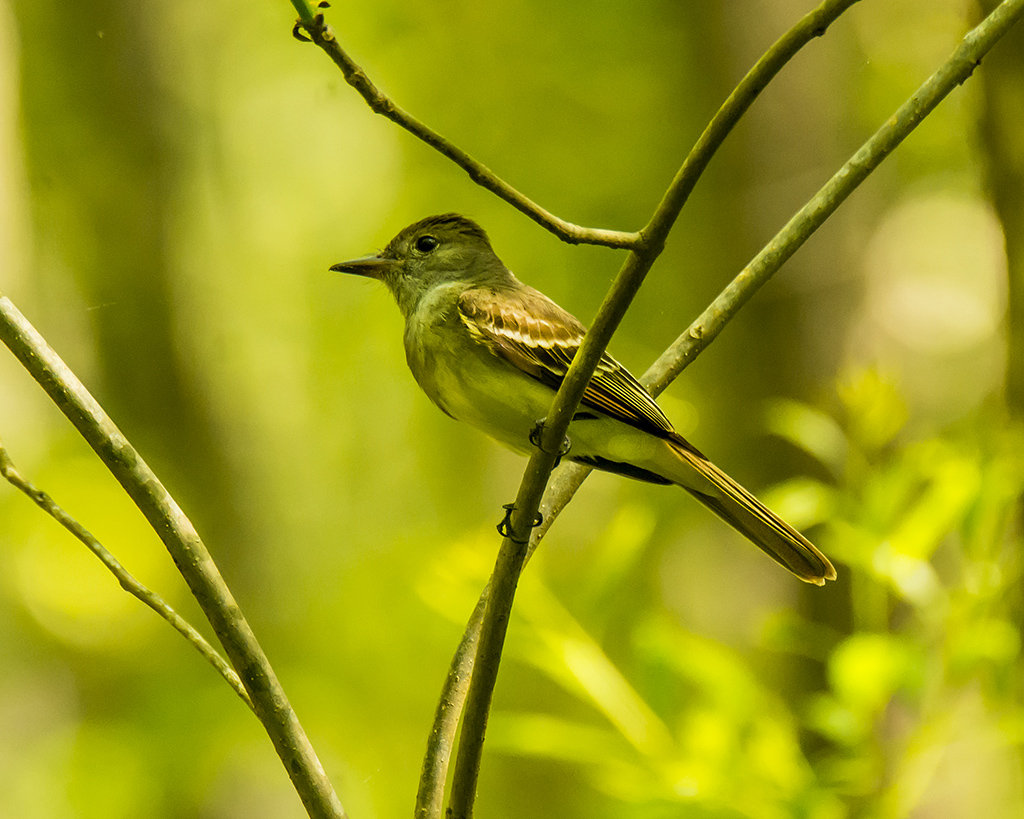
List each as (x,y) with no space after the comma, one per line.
(452,583)
(989,641)
(890,490)
(810,429)
(914,578)
(612,766)
(802,502)
(852,544)
(953,483)
(565,652)
(619,548)
(543,735)
(711,671)
(838,722)
(1001,485)
(866,670)
(875,411)
(786,631)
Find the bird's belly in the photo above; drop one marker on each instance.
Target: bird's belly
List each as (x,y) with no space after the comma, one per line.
(493,397)
(506,404)
(473,385)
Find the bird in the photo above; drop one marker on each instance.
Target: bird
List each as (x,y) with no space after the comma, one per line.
(491,351)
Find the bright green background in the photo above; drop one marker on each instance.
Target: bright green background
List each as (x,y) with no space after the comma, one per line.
(176,179)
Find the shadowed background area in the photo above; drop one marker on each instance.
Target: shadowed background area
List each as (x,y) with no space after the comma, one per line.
(175,184)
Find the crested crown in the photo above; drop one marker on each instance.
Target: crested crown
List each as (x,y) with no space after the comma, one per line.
(449,223)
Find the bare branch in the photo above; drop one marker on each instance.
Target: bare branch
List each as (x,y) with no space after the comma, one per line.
(515,549)
(430,795)
(126,580)
(189,553)
(706,327)
(955,71)
(323,36)
(811,26)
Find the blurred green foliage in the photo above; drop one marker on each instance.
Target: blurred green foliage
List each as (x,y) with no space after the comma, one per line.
(176,181)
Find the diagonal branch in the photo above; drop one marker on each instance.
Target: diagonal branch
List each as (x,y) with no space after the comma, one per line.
(127,581)
(706,328)
(514,549)
(379,103)
(812,25)
(189,553)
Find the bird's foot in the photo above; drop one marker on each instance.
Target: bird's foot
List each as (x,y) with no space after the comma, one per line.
(536,436)
(505,527)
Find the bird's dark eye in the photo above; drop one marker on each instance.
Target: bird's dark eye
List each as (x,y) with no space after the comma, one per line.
(426,243)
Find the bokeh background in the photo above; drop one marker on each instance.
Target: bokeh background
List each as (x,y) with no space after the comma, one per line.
(175,179)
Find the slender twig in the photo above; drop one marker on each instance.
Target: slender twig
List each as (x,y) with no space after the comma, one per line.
(189,553)
(498,605)
(706,327)
(430,795)
(306,13)
(812,25)
(952,73)
(514,550)
(126,580)
(323,36)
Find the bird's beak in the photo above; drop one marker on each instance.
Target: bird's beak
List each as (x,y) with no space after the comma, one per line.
(372,267)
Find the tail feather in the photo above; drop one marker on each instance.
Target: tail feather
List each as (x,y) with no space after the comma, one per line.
(745,513)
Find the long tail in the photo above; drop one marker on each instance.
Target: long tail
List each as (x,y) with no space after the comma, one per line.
(745,513)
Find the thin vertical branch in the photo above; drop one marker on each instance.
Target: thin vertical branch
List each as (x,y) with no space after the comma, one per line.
(497,608)
(430,794)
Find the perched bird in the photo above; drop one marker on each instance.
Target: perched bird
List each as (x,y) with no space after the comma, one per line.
(492,351)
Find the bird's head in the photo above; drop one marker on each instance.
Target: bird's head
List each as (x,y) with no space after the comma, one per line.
(433,251)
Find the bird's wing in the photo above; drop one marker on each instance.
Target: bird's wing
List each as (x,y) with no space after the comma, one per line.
(531,332)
